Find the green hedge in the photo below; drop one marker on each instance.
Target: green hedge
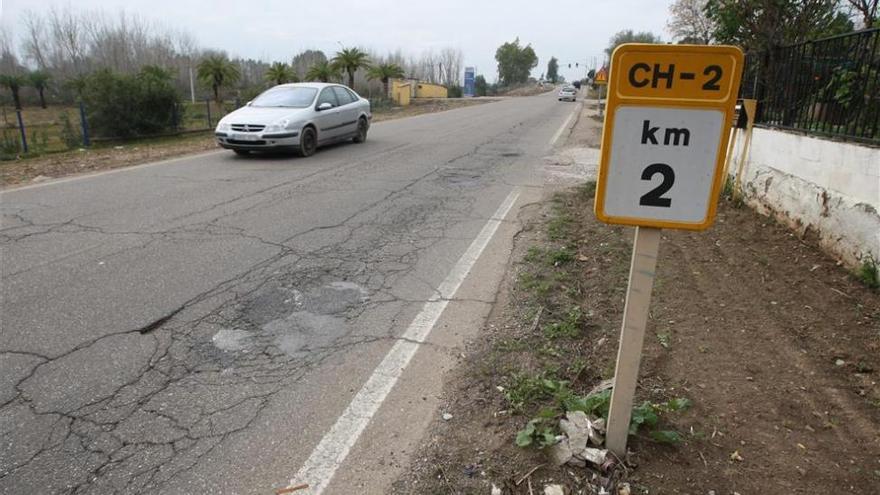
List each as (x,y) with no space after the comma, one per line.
(124,106)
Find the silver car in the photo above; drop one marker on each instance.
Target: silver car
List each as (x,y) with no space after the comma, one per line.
(568,93)
(296,117)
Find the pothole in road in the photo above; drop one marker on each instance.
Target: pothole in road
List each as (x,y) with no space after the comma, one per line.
(459,177)
(294,321)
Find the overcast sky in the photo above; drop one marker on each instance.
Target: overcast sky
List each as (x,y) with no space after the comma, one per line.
(571,30)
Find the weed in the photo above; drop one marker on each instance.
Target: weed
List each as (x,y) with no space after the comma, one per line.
(531,282)
(525,389)
(588,189)
(868,273)
(511,345)
(560,257)
(577,366)
(558,227)
(727,189)
(569,327)
(539,432)
(663,338)
(534,255)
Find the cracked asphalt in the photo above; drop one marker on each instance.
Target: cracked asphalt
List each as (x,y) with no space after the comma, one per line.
(195,326)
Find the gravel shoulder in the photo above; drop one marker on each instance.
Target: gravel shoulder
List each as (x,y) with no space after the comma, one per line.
(775,345)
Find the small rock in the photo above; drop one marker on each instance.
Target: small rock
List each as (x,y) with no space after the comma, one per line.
(624,489)
(560,453)
(117,147)
(40,178)
(839,362)
(736,457)
(602,386)
(594,456)
(495,490)
(554,490)
(446,416)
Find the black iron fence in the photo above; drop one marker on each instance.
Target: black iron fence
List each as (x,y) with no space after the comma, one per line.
(828,87)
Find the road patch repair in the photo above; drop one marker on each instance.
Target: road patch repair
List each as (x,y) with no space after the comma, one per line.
(759,371)
(328,455)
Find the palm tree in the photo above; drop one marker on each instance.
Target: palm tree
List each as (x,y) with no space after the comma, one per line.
(217,72)
(40,81)
(350,60)
(280,73)
(14,83)
(385,72)
(322,71)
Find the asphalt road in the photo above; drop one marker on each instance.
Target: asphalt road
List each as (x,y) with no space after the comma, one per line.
(199,325)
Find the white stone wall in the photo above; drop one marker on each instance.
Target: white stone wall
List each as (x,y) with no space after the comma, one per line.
(829,187)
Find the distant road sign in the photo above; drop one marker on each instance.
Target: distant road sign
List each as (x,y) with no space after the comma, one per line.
(666,131)
(601,76)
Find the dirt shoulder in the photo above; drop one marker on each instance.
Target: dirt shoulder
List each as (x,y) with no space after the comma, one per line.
(774,345)
(130,153)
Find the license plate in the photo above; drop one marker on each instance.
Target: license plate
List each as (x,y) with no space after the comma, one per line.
(246,137)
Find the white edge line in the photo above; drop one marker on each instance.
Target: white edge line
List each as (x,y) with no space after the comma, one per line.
(334,447)
(562,128)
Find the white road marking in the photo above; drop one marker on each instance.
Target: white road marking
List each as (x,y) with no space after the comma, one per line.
(332,450)
(562,128)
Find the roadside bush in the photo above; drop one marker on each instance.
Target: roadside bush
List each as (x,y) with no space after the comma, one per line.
(119,105)
(10,144)
(454,92)
(70,135)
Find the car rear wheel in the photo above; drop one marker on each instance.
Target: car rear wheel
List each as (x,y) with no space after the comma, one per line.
(242,152)
(361,135)
(308,142)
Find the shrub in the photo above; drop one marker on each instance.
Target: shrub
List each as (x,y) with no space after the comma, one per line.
(70,135)
(119,105)
(454,92)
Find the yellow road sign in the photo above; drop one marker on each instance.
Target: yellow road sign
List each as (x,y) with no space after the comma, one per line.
(666,129)
(601,76)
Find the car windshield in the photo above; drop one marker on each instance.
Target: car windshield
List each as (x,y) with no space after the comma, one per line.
(287,97)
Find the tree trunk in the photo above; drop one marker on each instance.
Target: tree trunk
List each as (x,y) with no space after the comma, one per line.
(216,89)
(351,79)
(42,98)
(16,99)
(385,85)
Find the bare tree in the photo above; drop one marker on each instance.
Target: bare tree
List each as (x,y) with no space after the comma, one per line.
(867,9)
(688,22)
(34,40)
(451,60)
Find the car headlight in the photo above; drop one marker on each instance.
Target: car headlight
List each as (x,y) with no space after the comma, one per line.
(223,126)
(282,125)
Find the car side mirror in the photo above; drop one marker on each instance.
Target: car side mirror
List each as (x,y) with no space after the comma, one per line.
(325,106)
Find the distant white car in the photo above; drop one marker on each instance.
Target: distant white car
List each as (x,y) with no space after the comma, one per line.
(296,117)
(568,93)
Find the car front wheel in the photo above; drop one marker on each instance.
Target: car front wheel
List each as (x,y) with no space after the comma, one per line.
(308,142)
(361,134)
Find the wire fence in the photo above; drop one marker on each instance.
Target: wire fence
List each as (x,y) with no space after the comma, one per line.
(34,130)
(827,87)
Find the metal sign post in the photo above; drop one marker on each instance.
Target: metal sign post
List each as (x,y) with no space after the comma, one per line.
(668,114)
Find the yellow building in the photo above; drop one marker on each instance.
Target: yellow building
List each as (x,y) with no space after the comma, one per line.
(404,90)
(428,90)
